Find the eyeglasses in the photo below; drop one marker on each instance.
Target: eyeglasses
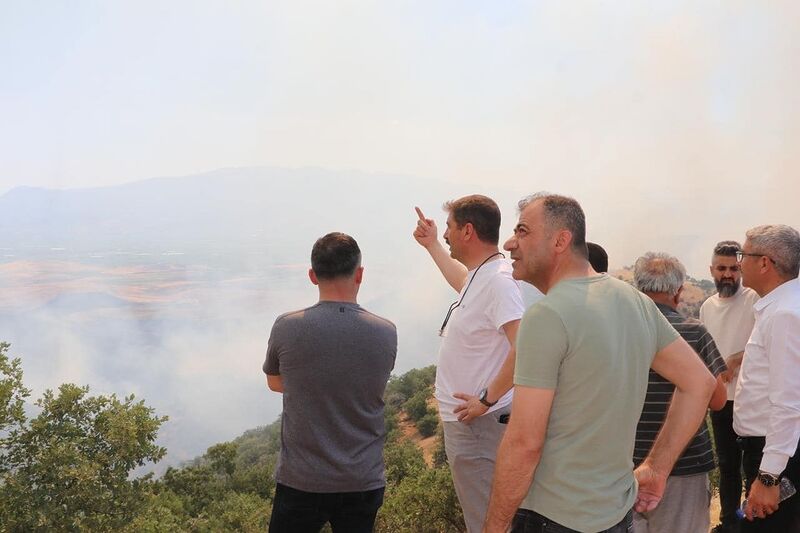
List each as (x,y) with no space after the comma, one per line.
(455,304)
(723,268)
(740,255)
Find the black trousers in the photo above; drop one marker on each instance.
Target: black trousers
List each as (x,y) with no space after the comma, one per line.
(787,518)
(297,511)
(527,521)
(729,457)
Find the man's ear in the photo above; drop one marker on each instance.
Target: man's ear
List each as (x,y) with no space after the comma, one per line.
(711,271)
(677,297)
(313,276)
(469,230)
(563,240)
(359,275)
(765,264)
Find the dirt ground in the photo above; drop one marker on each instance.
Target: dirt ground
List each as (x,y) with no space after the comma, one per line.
(714,510)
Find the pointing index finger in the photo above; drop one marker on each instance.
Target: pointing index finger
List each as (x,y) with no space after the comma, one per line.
(419,214)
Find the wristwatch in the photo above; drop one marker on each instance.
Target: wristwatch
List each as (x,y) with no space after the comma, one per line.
(482,398)
(767,479)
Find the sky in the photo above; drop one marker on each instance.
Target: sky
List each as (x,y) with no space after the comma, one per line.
(660,114)
(675,123)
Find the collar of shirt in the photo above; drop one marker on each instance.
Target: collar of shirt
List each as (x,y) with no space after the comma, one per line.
(776,294)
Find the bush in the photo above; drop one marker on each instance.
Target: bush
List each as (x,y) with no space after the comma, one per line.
(417,406)
(427,424)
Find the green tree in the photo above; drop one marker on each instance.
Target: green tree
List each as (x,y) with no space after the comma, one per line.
(417,406)
(12,393)
(222,458)
(67,469)
(422,503)
(427,424)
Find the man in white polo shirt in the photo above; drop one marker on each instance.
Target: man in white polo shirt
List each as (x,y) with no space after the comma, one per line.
(476,358)
(728,316)
(766,409)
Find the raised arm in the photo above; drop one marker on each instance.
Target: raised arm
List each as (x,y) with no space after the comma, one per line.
(426,235)
(694,384)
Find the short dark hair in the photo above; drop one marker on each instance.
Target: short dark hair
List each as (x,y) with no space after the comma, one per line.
(334,256)
(598,257)
(562,212)
(727,248)
(480,211)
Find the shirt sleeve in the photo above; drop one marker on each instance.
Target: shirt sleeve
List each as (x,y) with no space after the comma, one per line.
(541,346)
(506,303)
(271,364)
(784,392)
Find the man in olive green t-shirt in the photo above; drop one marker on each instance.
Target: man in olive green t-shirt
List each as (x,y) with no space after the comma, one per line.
(583,358)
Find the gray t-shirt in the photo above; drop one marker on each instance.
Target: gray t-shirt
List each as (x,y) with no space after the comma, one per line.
(334,359)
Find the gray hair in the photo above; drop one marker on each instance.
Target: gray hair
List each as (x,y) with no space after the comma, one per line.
(658,272)
(562,212)
(779,242)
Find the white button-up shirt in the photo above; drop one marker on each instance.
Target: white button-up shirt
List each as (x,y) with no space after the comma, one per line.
(767,401)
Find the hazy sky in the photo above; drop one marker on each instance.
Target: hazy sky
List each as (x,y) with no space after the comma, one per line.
(679,115)
(676,124)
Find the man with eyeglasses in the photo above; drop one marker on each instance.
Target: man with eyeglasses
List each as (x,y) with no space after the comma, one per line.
(728,316)
(476,356)
(766,409)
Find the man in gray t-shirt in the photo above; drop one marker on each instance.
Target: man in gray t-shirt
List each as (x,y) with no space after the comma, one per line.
(331,361)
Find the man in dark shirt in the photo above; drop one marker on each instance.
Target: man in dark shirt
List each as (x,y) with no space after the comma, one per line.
(685,504)
(331,361)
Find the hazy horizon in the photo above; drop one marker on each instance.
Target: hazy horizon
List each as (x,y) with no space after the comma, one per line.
(222,139)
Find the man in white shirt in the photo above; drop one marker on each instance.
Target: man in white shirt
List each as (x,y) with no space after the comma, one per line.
(728,316)
(767,401)
(476,358)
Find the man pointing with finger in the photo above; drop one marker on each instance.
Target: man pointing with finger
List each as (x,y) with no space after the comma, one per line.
(476,357)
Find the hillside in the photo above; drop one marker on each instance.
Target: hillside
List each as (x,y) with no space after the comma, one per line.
(231,486)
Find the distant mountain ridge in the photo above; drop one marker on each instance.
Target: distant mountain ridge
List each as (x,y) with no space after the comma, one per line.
(224,207)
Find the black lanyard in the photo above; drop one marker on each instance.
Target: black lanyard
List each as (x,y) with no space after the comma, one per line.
(455,304)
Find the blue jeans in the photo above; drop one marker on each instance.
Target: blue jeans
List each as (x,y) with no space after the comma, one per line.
(297,511)
(526,521)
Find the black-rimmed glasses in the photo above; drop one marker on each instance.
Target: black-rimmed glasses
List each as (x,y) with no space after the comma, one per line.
(740,255)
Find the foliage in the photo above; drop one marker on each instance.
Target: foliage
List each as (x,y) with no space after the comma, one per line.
(427,424)
(425,502)
(68,468)
(12,394)
(400,389)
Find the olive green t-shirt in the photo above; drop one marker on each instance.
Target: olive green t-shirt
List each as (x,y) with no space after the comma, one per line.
(592,340)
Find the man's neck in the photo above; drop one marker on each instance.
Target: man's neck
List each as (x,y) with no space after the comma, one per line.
(570,267)
(338,293)
(479,255)
(771,285)
(663,299)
